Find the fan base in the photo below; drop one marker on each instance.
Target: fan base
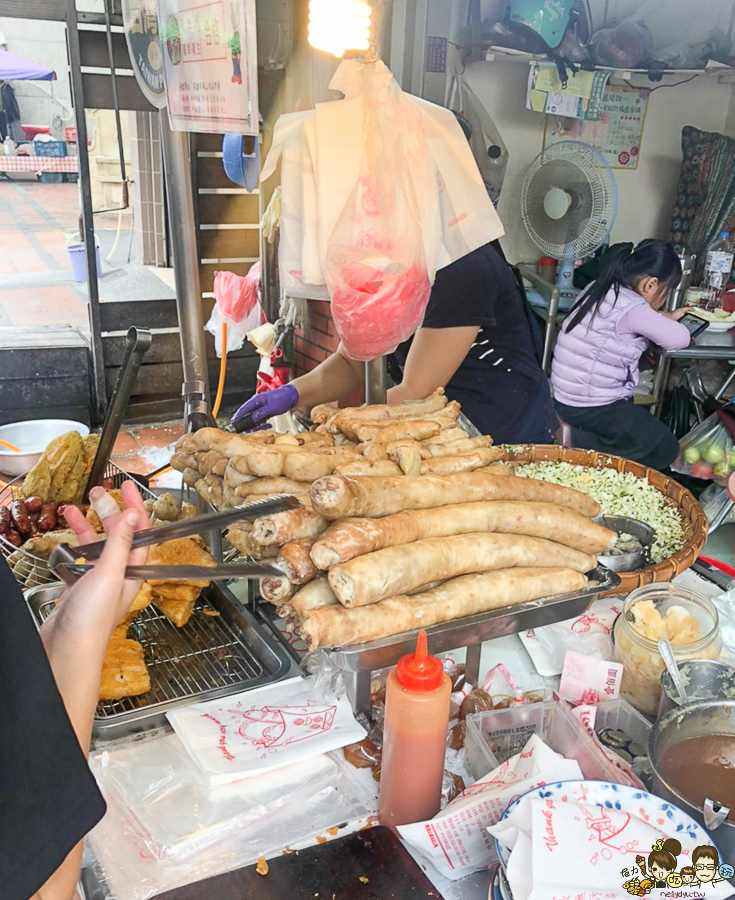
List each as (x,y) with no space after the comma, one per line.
(537,299)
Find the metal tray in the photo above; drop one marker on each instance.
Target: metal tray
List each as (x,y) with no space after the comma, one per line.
(211,656)
(475,629)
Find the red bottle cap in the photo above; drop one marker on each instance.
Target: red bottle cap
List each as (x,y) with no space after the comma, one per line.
(419,671)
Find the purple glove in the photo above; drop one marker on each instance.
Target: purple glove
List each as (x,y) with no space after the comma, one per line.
(269,403)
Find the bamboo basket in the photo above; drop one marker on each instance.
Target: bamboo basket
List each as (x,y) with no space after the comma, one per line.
(694,521)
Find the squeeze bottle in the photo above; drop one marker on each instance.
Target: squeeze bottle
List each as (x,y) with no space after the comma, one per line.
(414,738)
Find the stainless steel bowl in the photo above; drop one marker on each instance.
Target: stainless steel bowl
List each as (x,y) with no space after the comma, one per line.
(678,724)
(637,559)
(32,438)
(704,679)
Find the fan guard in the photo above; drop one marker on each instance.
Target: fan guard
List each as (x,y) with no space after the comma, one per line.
(585,176)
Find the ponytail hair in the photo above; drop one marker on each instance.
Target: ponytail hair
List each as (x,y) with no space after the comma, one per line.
(625,265)
(665,857)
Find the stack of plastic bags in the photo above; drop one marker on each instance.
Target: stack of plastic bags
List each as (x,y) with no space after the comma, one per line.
(379,190)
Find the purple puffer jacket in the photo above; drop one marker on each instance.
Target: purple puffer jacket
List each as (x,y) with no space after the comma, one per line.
(597,363)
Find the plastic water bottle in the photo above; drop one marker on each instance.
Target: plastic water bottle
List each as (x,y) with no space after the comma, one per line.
(718,264)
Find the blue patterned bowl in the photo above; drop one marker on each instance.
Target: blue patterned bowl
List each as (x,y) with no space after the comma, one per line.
(658,812)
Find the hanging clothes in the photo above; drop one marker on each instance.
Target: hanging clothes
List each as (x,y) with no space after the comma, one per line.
(9,103)
(705,194)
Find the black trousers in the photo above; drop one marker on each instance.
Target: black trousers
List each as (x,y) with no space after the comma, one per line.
(622,429)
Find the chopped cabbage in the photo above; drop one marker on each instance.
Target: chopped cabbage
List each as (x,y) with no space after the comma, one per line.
(619,494)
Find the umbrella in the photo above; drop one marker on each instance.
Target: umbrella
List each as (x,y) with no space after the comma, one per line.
(18,68)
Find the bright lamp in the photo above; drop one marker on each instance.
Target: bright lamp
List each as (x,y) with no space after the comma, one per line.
(336,26)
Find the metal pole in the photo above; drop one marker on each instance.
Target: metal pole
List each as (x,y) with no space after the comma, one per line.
(99,391)
(376,380)
(124,201)
(180,192)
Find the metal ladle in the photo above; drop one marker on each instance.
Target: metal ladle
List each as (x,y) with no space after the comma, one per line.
(667,654)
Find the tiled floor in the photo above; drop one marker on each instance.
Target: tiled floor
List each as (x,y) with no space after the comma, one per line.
(35,222)
(37,286)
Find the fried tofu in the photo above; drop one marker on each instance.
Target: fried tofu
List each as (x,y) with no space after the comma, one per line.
(176,601)
(124,672)
(141,601)
(180,552)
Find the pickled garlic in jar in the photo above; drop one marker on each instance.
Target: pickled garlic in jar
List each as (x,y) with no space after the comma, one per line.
(678,625)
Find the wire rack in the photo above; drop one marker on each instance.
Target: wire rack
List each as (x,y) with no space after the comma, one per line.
(206,655)
(31,570)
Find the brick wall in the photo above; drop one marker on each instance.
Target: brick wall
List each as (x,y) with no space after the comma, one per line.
(316,341)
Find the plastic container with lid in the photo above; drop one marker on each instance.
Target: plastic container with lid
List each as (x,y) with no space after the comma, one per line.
(414,738)
(641,684)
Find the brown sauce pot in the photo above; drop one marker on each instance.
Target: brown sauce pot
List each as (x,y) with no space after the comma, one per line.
(679,724)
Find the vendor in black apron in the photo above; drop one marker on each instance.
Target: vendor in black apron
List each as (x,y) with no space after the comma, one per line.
(478,340)
(48,694)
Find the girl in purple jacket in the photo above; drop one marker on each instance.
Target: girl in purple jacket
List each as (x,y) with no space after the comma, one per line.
(597,354)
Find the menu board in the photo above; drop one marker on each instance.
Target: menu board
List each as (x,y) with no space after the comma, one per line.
(617,134)
(210,59)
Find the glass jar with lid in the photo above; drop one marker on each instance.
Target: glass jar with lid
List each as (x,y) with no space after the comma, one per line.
(685,616)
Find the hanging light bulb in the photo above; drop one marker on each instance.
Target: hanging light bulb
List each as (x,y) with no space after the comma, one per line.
(336,26)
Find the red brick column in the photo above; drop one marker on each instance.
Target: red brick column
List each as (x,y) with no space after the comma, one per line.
(316,341)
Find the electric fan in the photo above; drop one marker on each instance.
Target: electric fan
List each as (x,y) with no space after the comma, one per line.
(568,203)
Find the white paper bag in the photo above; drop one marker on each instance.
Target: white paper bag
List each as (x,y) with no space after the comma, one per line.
(581,850)
(456,841)
(264,729)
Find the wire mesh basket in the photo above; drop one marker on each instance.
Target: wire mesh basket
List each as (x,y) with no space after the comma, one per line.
(30,569)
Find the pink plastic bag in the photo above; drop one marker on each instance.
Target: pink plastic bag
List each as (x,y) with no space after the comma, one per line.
(237,305)
(236,295)
(375,267)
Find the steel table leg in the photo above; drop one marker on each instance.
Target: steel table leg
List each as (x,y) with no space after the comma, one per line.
(472,663)
(725,384)
(659,383)
(358,690)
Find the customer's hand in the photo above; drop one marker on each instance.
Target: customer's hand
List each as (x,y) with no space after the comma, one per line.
(678,314)
(97,602)
(269,403)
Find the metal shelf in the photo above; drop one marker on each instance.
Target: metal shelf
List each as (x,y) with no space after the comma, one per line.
(507,53)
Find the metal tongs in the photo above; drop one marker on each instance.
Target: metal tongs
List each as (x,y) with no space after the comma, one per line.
(65,563)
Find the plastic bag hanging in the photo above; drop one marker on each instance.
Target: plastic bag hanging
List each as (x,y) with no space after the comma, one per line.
(375,268)
(236,305)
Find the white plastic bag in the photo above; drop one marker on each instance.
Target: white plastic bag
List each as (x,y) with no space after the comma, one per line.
(375,267)
(321,151)
(166,827)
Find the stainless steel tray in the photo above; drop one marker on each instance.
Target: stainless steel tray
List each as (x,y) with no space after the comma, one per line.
(211,656)
(474,630)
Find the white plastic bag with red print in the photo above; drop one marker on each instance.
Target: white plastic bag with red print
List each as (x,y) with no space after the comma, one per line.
(375,267)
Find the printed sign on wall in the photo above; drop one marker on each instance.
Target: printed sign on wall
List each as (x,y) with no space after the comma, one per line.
(210,58)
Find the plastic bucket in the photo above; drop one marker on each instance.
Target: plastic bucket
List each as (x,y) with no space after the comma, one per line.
(78,259)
